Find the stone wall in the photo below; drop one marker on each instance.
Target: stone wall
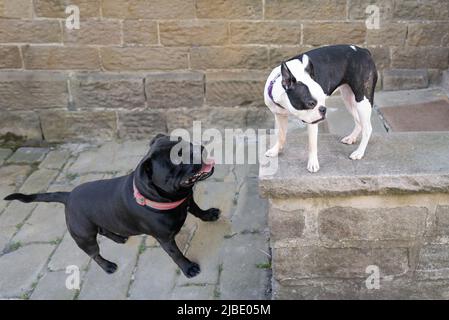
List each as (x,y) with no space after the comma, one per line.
(137,66)
(389,212)
(325,253)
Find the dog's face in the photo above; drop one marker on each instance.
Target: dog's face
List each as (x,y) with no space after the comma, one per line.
(167,172)
(303,97)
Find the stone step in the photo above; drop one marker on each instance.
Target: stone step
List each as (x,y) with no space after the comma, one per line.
(397,162)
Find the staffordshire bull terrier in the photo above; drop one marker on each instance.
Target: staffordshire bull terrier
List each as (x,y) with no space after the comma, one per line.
(154,199)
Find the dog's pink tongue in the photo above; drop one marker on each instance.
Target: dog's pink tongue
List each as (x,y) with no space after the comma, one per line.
(207,166)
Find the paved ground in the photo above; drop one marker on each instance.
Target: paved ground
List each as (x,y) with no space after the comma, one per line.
(35,248)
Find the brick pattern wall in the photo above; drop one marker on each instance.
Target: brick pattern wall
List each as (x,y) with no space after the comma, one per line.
(323,246)
(137,66)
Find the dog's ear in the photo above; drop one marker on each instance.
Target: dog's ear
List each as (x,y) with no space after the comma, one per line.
(308,66)
(288,80)
(147,166)
(159,135)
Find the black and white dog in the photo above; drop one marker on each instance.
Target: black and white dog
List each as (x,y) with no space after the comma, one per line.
(301,85)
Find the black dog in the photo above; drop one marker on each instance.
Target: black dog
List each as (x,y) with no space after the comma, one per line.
(153,199)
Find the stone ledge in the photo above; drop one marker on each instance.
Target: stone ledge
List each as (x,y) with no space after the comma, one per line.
(405,79)
(395,164)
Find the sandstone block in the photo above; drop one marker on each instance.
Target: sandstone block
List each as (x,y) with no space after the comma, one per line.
(225,9)
(61,58)
(310,10)
(265,32)
(138,59)
(140,32)
(111,91)
(174,90)
(193,33)
(31,31)
(10,57)
(80,125)
(234,57)
(154,9)
(316,33)
(246,88)
(22,89)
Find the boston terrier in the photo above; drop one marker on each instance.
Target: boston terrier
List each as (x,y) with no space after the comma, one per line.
(301,85)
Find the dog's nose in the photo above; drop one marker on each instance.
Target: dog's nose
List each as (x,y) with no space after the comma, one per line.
(322,110)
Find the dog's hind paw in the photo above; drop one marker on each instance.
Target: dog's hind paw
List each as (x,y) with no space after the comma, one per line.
(192,270)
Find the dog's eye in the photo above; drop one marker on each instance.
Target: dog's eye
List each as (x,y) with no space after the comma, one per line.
(311,104)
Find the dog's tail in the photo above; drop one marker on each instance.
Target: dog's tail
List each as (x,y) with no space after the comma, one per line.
(60,197)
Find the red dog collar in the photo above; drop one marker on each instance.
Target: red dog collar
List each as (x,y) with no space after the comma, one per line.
(141,200)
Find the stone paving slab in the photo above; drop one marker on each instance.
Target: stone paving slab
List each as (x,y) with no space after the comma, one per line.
(4,154)
(20,269)
(205,196)
(251,211)
(110,157)
(5,236)
(405,97)
(155,276)
(68,253)
(28,155)
(52,286)
(67,182)
(429,116)
(12,177)
(246,274)
(16,213)
(46,224)
(242,172)
(200,292)
(98,284)
(145,270)
(205,250)
(55,159)
(39,181)
(11,220)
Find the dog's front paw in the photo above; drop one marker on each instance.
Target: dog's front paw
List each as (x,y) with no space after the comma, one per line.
(211,215)
(192,270)
(273,152)
(357,154)
(313,165)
